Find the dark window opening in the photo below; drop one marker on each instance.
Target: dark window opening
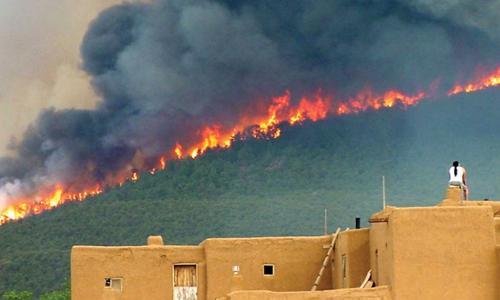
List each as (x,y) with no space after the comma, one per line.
(268,270)
(113,283)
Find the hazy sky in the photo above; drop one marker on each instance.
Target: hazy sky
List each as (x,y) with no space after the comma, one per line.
(39,59)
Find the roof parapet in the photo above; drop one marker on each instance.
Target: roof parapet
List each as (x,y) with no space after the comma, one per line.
(155,240)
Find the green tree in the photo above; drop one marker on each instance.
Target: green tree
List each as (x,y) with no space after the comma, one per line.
(17,295)
(62,294)
(56,295)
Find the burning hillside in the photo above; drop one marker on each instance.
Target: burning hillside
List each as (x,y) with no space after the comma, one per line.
(177,79)
(482,82)
(215,136)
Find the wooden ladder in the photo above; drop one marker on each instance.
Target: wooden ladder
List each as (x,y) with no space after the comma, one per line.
(325,261)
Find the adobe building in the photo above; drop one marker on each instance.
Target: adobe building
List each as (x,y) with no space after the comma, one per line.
(444,252)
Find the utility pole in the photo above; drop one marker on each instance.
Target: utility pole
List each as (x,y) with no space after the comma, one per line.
(383,192)
(326,224)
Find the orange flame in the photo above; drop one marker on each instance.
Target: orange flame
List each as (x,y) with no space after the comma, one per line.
(262,125)
(178,151)
(134,176)
(312,110)
(211,137)
(54,199)
(163,163)
(366,99)
(490,80)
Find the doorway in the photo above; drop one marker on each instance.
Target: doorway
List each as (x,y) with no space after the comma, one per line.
(185,282)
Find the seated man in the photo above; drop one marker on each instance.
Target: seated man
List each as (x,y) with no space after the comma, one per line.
(458,177)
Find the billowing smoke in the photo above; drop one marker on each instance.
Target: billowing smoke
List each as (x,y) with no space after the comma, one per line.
(39,60)
(165,69)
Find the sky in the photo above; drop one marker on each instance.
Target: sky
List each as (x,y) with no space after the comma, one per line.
(40,60)
(174,74)
(40,52)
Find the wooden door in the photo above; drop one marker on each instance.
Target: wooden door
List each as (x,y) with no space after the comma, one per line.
(185,282)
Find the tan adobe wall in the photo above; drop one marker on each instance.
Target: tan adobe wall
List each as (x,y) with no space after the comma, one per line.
(146,271)
(379,293)
(381,254)
(497,229)
(444,252)
(297,261)
(436,253)
(454,194)
(352,253)
(494,205)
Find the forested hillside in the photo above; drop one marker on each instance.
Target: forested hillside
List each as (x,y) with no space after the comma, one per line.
(271,187)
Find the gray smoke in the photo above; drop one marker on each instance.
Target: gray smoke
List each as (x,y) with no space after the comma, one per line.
(164,69)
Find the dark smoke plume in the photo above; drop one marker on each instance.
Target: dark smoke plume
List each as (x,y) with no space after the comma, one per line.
(166,68)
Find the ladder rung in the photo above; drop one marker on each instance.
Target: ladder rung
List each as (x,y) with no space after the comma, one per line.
(325,261)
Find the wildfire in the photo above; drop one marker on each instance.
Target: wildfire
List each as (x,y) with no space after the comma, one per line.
(163,163)
(211,137)
(483,82)
(264,125)
(54,199)
(178,151)
(366,99)
(134,176)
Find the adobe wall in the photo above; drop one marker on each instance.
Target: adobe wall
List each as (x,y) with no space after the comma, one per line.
(497,229)
(379,293)
(436,253)
(454,194)
(147,271)
(352,248)
(494,205)
(297,261)
(381,258)
(446,252)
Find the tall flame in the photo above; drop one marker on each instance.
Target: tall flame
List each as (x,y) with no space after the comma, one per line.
(163,163)
(134,176)
(178,151)
(263,125)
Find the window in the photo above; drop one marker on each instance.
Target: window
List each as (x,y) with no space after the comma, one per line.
(236,270)
(114,284)
(268,270)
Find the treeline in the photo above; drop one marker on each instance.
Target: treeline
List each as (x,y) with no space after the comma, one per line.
(62,294)
(270,187)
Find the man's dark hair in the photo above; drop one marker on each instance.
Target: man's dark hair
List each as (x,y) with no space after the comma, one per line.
(455,164)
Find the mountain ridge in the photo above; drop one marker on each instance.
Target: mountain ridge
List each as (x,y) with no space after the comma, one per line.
(271,187)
